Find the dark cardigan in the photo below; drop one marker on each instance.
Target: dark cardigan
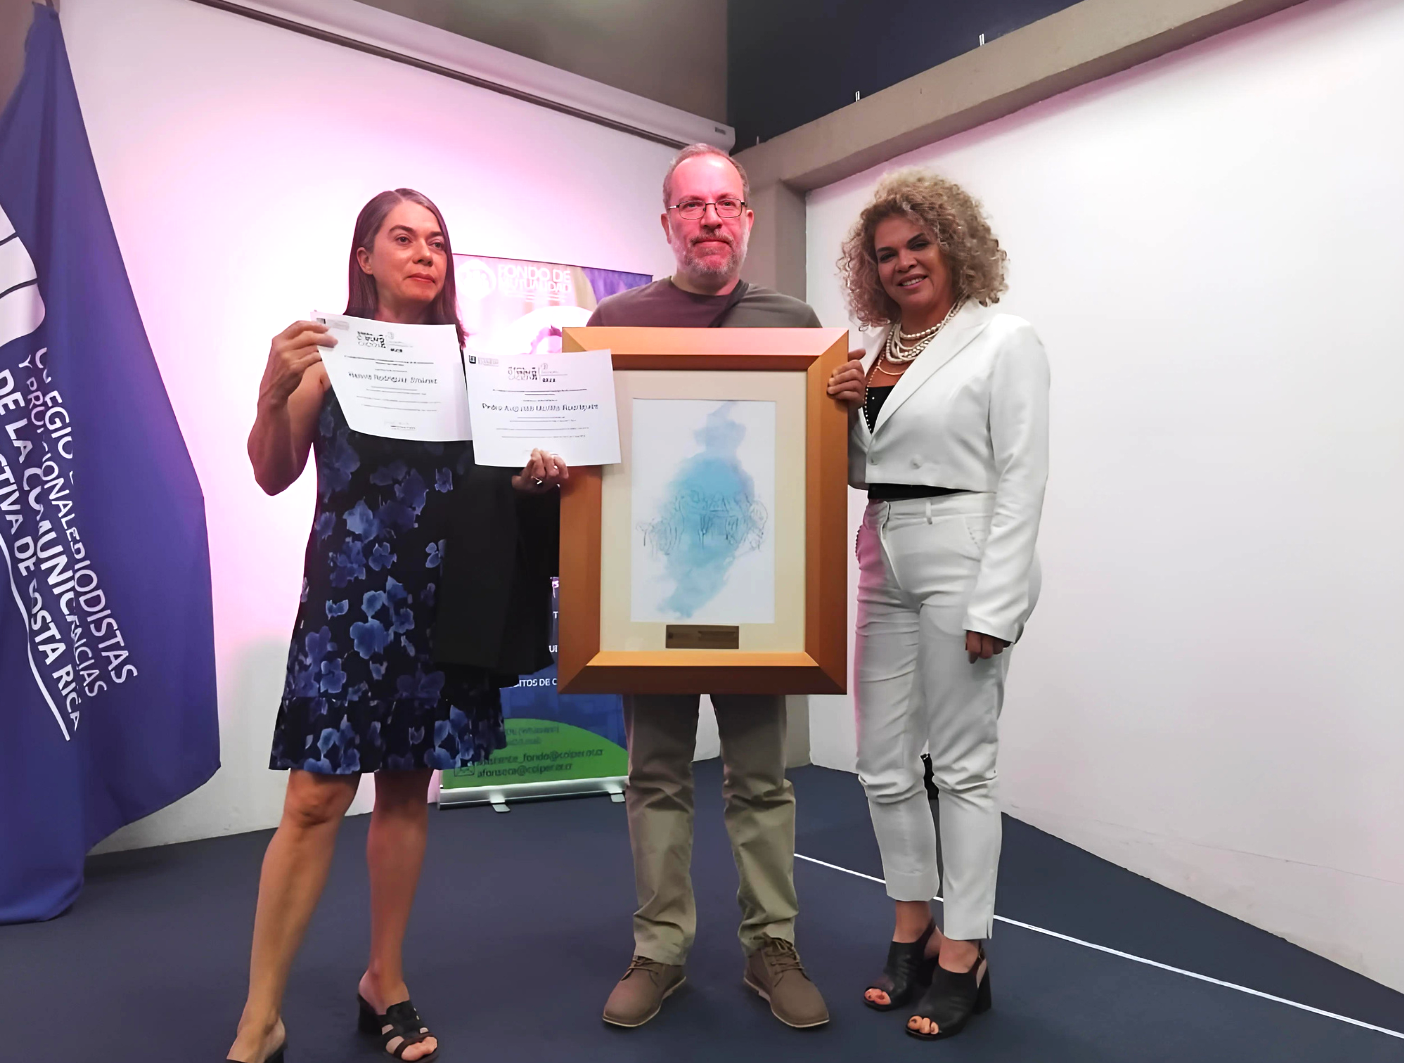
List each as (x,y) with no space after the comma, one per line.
(495,596)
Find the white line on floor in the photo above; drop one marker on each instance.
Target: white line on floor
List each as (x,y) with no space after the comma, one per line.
(846,871)
(1142,959)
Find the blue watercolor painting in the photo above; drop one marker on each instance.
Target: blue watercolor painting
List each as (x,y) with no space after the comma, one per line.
(703,497)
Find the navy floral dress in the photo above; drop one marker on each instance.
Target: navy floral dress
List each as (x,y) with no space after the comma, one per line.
(363,692)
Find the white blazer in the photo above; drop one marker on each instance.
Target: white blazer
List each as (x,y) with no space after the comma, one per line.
(971,414)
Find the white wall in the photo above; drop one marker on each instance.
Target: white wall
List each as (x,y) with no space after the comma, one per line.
(234,157)
(1212,248)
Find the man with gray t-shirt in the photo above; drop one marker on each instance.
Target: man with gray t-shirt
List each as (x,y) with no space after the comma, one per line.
(707,223)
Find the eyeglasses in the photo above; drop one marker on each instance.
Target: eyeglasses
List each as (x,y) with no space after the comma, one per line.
(692,209)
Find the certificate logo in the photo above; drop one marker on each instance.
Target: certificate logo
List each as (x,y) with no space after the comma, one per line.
(534,374)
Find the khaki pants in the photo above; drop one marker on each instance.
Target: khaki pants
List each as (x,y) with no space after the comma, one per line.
(760,817)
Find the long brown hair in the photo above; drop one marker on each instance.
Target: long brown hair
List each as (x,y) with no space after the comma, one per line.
(362,299)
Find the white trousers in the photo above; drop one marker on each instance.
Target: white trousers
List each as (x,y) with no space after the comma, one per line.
(916,689)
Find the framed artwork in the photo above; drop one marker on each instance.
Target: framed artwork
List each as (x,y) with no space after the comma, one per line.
(712,559)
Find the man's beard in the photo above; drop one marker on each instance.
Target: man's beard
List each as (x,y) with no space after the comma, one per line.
(714,270)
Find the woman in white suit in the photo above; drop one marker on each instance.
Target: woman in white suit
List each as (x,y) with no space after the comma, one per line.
(949,412)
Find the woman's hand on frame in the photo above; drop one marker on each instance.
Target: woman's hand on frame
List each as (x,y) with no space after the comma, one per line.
(542,472)
(981,646)
(846,383)
(293,350)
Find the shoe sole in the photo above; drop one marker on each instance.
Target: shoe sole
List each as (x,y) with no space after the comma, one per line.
(766,997)
(635,1025)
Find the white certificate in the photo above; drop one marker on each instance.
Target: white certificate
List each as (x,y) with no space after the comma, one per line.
(563,403)
(398,381)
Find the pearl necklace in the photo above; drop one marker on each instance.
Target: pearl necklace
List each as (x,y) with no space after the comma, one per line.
(904,347)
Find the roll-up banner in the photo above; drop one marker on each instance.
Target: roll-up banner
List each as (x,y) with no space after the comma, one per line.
(557,745)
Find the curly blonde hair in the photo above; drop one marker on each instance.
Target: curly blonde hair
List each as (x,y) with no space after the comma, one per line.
(954,219)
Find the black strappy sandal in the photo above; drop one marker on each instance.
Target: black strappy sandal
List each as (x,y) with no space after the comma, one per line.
(399,1020)
(907,972)
(953,998)
(279,1056)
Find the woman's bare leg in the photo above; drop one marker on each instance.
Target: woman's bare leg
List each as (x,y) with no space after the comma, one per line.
(295,869)
(395,853)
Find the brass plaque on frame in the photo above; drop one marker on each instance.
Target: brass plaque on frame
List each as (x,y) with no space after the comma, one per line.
(702,637)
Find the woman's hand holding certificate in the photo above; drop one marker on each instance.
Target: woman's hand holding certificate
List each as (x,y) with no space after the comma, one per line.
(543,472)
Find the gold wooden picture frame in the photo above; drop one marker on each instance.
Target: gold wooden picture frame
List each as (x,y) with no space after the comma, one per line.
(804,649)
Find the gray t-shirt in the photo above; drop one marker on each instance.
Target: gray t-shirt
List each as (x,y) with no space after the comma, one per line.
(663,304)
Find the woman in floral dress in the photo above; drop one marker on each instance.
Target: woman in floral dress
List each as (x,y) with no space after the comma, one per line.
(367,688)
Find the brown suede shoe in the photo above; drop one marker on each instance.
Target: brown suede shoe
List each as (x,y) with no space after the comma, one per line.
(641,992)
(775,972)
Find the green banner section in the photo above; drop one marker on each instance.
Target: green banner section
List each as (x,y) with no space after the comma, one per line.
(543,751)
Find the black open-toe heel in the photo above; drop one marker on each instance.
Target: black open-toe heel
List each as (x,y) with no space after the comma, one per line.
(279,1056)
(952,998)
(907,972)
(399,1020)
